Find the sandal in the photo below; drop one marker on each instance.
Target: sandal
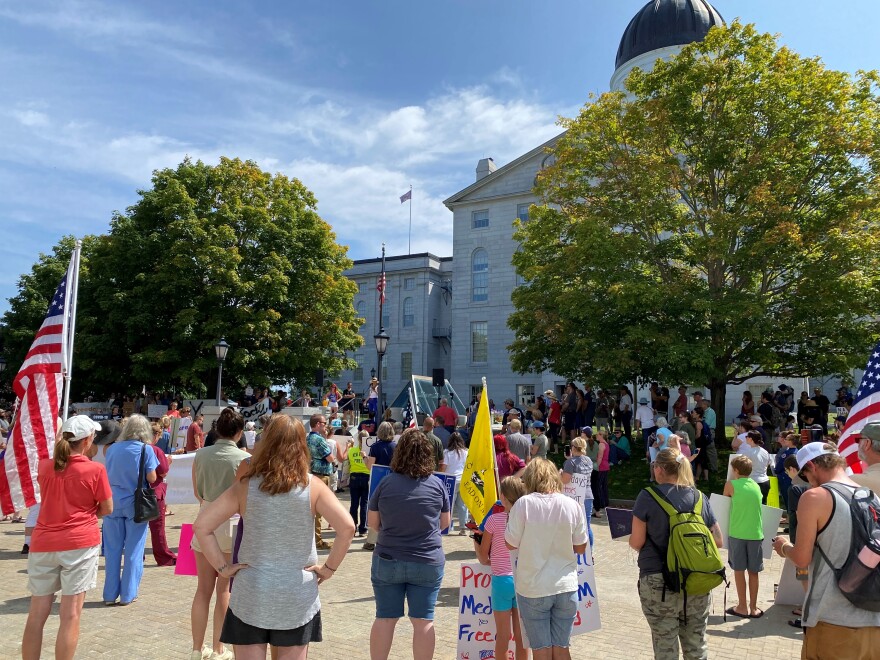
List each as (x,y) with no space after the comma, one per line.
(18,519)
(732,612)
(795,623)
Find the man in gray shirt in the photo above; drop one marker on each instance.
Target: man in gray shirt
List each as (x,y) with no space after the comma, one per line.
(539,440)
(428,430)
(520,444)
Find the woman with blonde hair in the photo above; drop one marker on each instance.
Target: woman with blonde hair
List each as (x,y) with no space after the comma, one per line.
(161,552)
(669,615)
(275,601)
(548,529)
(579,463)
(123,536)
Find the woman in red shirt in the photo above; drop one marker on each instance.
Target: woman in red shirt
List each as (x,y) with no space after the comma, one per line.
(66,542)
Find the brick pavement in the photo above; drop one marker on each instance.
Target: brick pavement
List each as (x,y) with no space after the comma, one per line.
(157,626)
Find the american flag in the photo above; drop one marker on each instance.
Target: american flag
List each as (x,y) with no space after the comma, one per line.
(865,409)
(409,420)
(38,389)
(406,196)
(380,287)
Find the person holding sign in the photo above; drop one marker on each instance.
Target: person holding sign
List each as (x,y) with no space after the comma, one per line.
(581,464)
(549,530)
(492,551)
(408,509)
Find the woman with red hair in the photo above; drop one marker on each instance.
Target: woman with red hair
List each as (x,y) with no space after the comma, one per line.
(509,464)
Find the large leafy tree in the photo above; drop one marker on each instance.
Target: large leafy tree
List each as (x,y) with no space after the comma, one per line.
(209,252)
(718,221)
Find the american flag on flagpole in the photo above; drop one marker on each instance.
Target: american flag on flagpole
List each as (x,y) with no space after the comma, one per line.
(865,409)
(38,387)
(380,287)
(409,418)
(406,196)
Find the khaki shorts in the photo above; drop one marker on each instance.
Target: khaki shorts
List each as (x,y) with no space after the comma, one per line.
(70,571)
(225,536)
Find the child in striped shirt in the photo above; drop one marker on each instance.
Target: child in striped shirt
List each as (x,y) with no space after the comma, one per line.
(492,551)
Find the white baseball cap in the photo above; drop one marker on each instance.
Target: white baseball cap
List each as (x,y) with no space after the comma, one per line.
(810,451)
(82,426)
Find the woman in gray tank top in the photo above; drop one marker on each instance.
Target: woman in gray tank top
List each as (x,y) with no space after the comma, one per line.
(275,600)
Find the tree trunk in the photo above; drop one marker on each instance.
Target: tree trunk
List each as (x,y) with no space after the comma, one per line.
(718,398)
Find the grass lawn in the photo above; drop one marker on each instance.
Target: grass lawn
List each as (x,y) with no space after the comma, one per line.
(625,481)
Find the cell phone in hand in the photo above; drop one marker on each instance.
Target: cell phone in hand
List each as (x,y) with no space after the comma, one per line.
(566,451)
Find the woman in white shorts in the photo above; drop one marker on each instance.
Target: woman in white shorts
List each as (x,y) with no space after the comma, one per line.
(66,542)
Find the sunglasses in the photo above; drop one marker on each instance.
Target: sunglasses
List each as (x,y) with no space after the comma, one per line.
(802,473)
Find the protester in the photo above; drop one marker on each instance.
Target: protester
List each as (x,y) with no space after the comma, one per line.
(492,551)
(123,537)
(381,453)
(66,541)
(833,626)
(787,447)
(603,411)
(581,464)
(373,398)
(701,458)
(686,430)
(554,419)
(454,458)
(519,443)
(214,470)
(619,449)
(275,601)
(746,534)
(798,488)
(358,481)
(673,619)
(408,509)
(323,458)
(195,438)
(539,441)
(600,485)
(645,422)
(548,529)
(250,435)
(754,449)
(332,397)
(509,464)
(161,552)
(446,416)
(428,430)
(869,452)
(164,443)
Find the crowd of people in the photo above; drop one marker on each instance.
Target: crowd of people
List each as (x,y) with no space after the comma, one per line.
(278,480)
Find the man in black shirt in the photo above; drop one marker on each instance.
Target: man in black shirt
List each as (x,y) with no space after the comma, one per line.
(824,404)
(765,410)
(347,405)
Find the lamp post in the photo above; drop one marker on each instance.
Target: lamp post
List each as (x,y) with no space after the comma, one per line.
(220,348)
(381,346)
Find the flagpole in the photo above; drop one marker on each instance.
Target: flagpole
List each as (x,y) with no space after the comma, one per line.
(70,306)
(409,244)
(381,386)
(495,463)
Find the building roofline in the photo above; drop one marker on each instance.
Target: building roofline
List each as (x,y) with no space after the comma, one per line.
(500,172)
(400,257)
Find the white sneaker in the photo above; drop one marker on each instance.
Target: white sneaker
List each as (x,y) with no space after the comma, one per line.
(198,655)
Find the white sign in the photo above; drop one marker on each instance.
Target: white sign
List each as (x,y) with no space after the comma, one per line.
(476,623)
(100,408)
(179,427)
(576,489)
(254,412)
(157,410)
(770,517)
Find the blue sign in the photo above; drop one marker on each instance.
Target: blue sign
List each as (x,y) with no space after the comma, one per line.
(379,472)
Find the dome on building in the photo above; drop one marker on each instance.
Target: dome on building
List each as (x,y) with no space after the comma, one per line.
(663,23)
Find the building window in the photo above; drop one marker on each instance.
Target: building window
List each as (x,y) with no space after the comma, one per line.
(480,219)
(480,341)
(384,373)
(386,318)
(405,366)
(361,310)
(359,367)
(409,283)
(362,287)
(408,313)
(480,276)
(476,391)
(522,212)
(525,395)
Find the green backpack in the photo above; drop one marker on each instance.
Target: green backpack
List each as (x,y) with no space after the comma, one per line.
(693,563)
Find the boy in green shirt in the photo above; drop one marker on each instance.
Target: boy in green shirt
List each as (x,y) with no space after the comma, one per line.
(746,534)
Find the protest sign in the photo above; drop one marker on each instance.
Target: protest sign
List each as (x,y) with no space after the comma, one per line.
(476,623)
(773,497)
(254,412)
(379,472)
(186,558)
(179,427)
(620,523)
(94,409)
(789,591)
(156,410)
(770,517)
(576,489)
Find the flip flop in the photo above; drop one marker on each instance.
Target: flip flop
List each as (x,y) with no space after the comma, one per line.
(797,612)
(732,612)
(795,623)
(758,615)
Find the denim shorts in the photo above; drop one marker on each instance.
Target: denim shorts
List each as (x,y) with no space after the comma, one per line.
(395,581)
(549,619)
(503,593)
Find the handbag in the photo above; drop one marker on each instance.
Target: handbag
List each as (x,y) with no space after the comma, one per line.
(146,506)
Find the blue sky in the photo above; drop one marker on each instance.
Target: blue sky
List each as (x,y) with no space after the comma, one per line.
(356,99)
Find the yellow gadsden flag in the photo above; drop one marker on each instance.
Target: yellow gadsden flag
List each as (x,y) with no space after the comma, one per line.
(478,485)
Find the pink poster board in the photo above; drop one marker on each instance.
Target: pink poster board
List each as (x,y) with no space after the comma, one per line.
(186,558)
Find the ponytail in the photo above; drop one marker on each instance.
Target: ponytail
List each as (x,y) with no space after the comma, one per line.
(676,464)
(62,451)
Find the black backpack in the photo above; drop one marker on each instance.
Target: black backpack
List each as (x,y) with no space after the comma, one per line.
(860,583)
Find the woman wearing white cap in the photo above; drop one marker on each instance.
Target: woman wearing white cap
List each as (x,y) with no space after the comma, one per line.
(66,542)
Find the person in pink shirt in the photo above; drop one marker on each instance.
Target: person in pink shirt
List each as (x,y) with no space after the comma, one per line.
(492,551)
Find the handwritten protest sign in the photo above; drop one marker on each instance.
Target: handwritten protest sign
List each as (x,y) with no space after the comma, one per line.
(476,623)
(254,412)
(576,489)
(156,410)
(379,472)
(770,517)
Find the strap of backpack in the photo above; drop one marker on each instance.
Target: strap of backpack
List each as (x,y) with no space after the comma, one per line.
(662,500)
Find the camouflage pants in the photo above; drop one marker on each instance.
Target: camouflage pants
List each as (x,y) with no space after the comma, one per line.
(667,621)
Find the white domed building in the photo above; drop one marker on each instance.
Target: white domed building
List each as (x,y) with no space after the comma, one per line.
(451,313)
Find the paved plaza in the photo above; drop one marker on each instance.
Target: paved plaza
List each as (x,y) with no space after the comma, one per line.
(157,625)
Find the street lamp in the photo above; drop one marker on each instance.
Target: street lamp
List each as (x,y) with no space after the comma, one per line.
(220,348)
(381,346)
(372,373)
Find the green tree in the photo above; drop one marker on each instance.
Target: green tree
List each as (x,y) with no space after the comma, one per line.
(717,222)
(208,252)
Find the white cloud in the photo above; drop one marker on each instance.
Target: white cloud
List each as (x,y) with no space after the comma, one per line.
(31,117)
